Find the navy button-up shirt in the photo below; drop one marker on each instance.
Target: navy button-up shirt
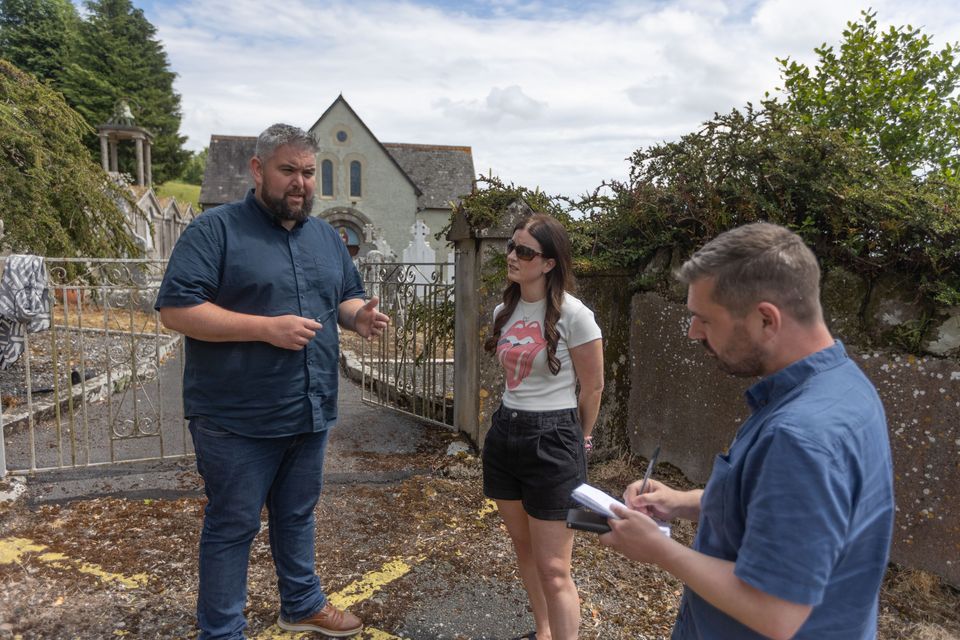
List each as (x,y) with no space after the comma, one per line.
(238,257)
(802,502)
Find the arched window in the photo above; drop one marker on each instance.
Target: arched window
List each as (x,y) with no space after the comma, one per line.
(355,184)
(326,178)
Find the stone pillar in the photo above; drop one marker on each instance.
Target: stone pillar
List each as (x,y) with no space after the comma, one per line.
(139,142)
(149,162)
(104,152)
(478,288)
(113,156)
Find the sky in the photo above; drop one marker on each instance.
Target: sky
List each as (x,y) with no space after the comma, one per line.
(555,94)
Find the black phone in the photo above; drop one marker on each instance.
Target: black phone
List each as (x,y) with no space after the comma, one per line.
(587,521)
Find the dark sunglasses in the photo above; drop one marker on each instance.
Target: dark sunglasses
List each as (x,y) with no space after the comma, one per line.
(523,252)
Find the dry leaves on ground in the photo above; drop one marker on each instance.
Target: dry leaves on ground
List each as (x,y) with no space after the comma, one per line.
(359,527)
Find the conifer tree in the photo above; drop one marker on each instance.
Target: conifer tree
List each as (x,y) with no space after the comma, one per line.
(118,57)
(37,35)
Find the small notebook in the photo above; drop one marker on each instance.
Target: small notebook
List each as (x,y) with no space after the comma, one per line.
(596,500)
(600,502)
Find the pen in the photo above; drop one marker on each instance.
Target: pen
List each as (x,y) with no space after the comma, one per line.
(322,318)
(650,466)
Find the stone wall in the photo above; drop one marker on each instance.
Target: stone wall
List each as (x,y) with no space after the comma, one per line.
(609,296)
(679,399)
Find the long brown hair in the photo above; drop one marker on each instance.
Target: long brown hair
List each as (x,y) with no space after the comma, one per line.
(555,245)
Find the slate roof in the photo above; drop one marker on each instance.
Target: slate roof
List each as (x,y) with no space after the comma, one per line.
(442,173)
(227,175)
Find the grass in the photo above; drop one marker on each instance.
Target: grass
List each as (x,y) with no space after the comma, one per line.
(182,191)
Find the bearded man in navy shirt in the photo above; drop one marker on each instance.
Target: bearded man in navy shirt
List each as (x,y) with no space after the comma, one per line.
(795,521)
(257,288)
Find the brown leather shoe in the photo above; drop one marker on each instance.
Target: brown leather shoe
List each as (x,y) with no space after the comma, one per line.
(329,620)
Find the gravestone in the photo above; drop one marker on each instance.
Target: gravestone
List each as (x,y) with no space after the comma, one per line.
(418,251)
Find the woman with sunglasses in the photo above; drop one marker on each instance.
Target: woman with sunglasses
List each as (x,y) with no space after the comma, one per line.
(535,452)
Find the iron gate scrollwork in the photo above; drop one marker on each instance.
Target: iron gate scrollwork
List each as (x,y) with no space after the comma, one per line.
(90,390)
(410,367)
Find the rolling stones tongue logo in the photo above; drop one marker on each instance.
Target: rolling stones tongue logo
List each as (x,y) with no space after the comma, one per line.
(517,348)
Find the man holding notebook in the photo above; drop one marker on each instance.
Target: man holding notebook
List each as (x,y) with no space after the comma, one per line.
(796,519)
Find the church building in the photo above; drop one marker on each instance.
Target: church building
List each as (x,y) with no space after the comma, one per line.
(378,195)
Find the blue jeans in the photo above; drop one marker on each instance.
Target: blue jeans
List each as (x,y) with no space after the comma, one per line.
(240,475)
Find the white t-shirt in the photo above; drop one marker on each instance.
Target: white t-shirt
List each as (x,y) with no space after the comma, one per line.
(522,351)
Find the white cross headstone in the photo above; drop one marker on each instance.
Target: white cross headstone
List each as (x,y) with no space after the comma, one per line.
(384,248)
(371,273)
(418,251)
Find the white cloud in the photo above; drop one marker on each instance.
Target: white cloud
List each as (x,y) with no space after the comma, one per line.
(508,104)
(555,94)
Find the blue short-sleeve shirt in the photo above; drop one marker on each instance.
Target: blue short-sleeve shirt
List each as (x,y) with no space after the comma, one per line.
(238,257)
(802,502)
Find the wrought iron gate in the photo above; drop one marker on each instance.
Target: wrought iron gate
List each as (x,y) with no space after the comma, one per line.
(410,367)
(102,385)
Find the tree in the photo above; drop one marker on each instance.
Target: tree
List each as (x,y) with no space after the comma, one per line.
(37,35)
(55,200)
(194,167)
(119,57)
(890,90)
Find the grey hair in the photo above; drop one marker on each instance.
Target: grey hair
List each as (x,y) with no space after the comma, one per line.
(277,135)
(755,263)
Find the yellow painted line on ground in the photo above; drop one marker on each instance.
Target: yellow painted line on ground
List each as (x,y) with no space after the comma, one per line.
(16,549)
(13,549)
(353,593)
(376,634)
(364,588)
(276,633)
(372,582)
(489,506)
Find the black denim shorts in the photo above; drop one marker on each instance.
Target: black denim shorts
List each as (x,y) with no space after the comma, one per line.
(536,457)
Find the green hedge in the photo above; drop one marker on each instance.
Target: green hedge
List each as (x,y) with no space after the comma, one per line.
(759,164)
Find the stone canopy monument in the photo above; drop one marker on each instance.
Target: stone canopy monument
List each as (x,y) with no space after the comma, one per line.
(122,126)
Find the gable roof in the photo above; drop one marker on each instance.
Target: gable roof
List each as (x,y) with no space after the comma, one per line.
(147,200)
(443,173)
(227,176)
(341,99)
(185,211)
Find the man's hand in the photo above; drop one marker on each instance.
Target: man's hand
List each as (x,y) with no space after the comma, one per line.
(635,535)
(661,502)
(290,332)
(368,322)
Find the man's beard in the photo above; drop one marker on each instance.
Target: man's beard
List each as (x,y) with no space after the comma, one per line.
(749,359)
(281,210)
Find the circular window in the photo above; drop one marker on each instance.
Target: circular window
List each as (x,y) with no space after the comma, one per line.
(342,136)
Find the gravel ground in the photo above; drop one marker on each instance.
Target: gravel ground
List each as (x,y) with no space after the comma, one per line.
(359,526)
